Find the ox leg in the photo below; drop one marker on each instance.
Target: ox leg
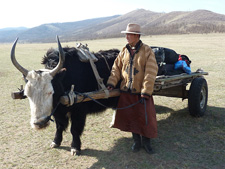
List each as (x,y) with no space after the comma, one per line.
(61,125)
(58,136)
(77,127)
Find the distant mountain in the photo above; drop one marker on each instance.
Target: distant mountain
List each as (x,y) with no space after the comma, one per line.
(152,23)
(9,34)
(47,32)
(13,28)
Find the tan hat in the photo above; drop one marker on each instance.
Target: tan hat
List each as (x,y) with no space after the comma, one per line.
(133,29)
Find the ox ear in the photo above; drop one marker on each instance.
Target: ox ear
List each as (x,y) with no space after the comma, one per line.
(62,70)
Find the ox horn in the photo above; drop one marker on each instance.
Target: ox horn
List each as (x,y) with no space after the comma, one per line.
(14,61)
(61,59)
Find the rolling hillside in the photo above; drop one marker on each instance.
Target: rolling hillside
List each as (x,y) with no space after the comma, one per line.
(153,23)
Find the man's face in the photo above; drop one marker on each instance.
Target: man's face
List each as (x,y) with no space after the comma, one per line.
(132,39)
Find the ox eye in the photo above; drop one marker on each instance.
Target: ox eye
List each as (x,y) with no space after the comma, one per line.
(50,93)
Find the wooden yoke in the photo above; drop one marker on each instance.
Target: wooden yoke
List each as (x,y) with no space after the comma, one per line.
(95,95)
(19,94)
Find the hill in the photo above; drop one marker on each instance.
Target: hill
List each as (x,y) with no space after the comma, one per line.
(47,32)
(153,23)
(9,34)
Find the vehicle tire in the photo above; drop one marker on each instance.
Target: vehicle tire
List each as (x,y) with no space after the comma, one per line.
(198,97)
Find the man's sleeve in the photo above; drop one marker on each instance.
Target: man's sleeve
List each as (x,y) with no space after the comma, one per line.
(151,70)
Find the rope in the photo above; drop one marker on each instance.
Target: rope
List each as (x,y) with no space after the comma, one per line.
(146,115)
(53,111)
(121,108)
(142,100)
(107,64)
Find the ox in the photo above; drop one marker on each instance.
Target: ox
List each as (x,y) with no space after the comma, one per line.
(44,88)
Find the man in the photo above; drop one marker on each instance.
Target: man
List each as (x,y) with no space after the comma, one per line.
(136,68)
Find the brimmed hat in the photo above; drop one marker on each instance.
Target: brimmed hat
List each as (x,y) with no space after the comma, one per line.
(133,29)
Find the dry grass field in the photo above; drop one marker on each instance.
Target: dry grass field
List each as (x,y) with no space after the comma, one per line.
(183,141)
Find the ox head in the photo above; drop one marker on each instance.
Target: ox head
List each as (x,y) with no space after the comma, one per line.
(39,89)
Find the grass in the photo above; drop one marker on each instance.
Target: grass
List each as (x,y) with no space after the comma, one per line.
(183,141)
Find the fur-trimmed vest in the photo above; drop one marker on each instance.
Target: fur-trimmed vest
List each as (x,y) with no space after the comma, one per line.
(137,70)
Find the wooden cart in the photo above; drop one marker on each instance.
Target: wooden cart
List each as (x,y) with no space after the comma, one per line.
(176,86)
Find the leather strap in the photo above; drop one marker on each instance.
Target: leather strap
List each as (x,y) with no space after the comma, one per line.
(91,58)
(98,78)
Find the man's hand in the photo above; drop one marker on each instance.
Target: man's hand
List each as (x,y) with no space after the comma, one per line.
(109,87)
(145,96)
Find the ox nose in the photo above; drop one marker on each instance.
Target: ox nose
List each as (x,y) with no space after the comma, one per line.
(42,124)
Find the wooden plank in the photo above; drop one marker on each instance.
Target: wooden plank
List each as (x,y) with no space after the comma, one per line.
(95,95)
(179,77)
(18,95)
(178,91)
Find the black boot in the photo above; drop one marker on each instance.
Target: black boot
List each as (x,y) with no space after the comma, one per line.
(137,142)
(147,145)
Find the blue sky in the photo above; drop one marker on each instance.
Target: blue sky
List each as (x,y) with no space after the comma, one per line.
(31,13)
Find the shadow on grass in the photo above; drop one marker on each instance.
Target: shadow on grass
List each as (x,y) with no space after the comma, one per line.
(66,148)
(183,142)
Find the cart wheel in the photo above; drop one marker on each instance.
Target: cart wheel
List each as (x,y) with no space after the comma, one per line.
(197,97)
